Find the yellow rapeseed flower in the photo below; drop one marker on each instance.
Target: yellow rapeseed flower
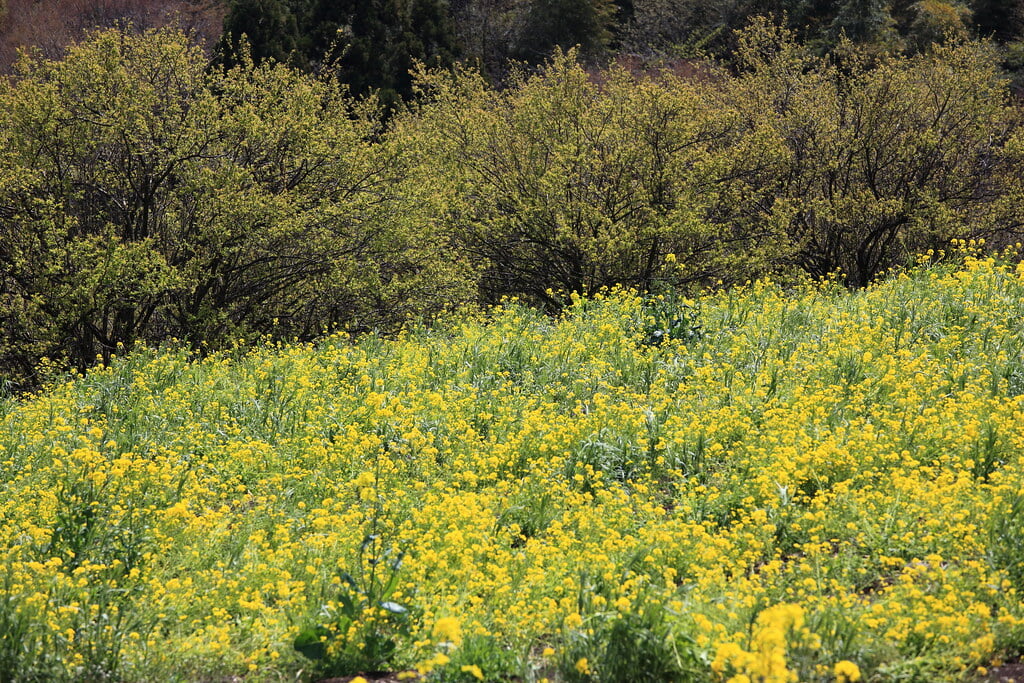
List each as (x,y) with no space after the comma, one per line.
(473,670)
(846,671)
(447,629)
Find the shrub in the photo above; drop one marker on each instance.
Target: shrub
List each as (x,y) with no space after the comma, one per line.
(883,160)
(561,184)
(145,197)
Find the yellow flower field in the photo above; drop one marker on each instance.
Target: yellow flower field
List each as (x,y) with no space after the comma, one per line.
(766,484)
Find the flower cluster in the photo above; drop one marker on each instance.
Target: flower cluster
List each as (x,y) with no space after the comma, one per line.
(823,485)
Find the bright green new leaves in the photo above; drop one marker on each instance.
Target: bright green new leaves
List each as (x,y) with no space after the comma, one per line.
(143,197)
(565,183)
(570,180)
(882,162)
(95,147)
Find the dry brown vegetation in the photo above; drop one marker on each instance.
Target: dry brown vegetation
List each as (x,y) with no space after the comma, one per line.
(49,25)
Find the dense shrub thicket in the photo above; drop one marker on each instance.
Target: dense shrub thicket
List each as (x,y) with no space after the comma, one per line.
(146,196)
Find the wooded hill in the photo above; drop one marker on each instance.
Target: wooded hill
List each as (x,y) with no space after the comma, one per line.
(145,196)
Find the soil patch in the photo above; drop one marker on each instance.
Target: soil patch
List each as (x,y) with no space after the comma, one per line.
(1007,673)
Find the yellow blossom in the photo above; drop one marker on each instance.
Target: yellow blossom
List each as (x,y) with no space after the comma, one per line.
(448,629)
(473,670)
(846,672)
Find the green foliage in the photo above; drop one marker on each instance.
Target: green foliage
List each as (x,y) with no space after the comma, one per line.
(566,182)
(883,160)
(684,28)
(95,147)
(935,22)
(487,32)
(373,45)
(687,27)
(863,21)
(641,642)
(364,623)
(22,647)
(1004,535)
(369,46)
(362,633)
(267,28)
(560,184)
(670,318)
(999,19)
(146,198)
(565,24)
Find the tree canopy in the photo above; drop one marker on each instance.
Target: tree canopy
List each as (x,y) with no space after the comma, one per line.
(146,197)
(371,45)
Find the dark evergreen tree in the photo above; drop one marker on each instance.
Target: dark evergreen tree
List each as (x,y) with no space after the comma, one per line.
(903,12)
(624,10)
(375,43)
(1002,20)
(864,21)
(567,23)
(268,26)
(487,32)
(372,44)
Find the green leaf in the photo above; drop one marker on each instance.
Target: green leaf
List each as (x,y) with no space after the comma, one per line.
(396,564)
(393,607)
(390,586)
(348,607)
(311,644)
(370,538)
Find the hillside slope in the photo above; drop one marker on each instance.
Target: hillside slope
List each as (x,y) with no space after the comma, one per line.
(805,484)
(52,24)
